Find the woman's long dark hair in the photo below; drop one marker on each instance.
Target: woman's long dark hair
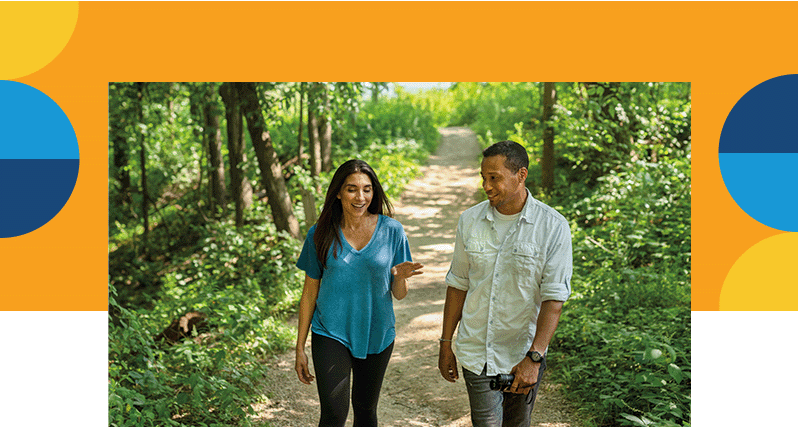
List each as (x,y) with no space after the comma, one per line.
(327,227)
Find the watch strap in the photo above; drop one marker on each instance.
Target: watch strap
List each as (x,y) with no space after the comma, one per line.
(534,356)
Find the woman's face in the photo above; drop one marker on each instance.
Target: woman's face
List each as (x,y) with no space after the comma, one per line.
(356,194)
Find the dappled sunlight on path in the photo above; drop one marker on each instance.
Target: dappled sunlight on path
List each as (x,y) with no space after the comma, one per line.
(429,209)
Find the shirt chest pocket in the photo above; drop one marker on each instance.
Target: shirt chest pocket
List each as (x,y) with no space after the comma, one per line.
(476,251)
(527,260)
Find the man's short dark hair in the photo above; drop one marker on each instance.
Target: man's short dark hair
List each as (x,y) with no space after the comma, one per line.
(514,153)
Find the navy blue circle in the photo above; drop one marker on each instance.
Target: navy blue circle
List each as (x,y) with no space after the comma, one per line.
(758,153)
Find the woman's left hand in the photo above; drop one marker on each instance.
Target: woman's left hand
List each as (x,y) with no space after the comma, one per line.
(406,270)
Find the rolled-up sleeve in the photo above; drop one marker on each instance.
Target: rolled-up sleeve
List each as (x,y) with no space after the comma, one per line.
(556,279)
(457,277)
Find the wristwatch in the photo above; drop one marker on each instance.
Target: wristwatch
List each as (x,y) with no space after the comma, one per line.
(534,356)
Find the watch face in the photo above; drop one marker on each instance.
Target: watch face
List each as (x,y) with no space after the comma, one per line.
(535,356)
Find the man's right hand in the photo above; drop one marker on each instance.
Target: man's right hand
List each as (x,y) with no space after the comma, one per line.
(447,362)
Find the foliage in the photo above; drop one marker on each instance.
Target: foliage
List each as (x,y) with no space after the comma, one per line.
(631,364)
(623,344)
(437,103)
(492,110)
(283,118)
(647,205)
(243,280)
(402,117)
(601,127)
(164,127)
(597,127)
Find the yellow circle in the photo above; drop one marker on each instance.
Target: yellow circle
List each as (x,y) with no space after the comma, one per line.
(764,278)
(33,34)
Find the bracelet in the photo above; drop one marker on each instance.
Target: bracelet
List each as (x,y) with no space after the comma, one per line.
(444,340)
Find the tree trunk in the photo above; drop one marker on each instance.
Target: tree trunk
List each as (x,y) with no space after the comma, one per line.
(121,162)
(199,136)
(169,103)
(325,131)
(119,145)
(309,205)
(325,143)
(235,147)
(213,136)
(375,92)
(547,161)
(314,146)
(140,87)
(308,201)
(270,169)
(301,123)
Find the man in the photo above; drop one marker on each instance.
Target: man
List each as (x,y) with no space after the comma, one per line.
(509,277)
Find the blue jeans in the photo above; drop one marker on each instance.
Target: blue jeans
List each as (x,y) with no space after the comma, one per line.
(493,408)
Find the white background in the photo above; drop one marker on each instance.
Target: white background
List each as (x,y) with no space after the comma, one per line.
(54,368)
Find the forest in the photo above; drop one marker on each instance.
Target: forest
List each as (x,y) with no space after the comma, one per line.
(212,187)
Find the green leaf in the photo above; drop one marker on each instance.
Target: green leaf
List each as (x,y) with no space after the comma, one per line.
(182,398)
(653,354)
(636,420)
(193,380)
(676,372)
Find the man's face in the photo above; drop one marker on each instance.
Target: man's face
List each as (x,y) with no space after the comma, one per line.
(505,189)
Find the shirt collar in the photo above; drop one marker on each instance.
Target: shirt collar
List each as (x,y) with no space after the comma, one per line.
(526,212)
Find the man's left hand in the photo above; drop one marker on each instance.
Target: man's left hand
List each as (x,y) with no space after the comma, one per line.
(526,376)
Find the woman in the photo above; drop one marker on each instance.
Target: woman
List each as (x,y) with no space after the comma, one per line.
(354,258)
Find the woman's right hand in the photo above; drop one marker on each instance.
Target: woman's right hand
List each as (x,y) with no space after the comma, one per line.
(307,304)
(302,369)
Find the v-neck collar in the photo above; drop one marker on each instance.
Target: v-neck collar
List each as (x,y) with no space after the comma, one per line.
(352,248)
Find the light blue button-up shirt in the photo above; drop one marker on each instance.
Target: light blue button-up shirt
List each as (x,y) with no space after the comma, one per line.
(507,281)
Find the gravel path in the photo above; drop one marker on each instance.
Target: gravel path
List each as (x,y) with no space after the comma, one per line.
(413,393)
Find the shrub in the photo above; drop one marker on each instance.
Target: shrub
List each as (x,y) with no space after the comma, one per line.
(623,345)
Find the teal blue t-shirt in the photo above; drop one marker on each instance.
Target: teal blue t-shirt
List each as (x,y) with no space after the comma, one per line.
(354,305)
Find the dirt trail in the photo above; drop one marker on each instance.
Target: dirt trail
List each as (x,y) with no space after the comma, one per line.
(413,393)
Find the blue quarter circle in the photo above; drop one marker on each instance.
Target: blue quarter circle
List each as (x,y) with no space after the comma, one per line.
(764,186)
(764,119)
(33,126)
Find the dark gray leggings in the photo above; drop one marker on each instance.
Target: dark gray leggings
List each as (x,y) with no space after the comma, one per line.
(333,363)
